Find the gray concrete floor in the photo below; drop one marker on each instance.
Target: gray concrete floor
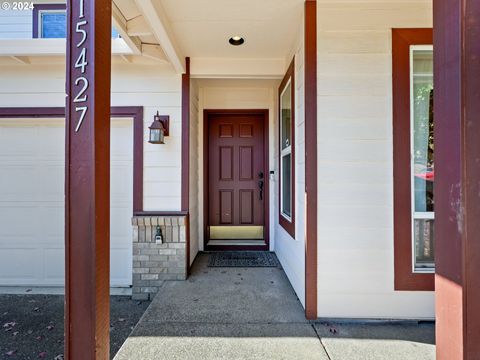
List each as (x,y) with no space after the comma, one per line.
(253,313)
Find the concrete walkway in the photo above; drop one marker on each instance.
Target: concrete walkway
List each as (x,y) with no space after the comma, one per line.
(253,313)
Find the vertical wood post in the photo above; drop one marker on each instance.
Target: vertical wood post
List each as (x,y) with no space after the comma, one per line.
(311,231)
(457,186)
(185,201)
(87,189)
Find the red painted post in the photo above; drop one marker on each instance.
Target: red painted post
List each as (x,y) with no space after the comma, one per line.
(185,202)
(87,189)
(311,159)
(457,175)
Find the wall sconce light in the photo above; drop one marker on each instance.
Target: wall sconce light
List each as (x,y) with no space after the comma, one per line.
(158,235)
(159,129)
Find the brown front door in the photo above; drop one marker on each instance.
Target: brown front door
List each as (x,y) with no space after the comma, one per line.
(237,178)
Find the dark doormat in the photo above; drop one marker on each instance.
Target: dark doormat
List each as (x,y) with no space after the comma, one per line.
(243,259)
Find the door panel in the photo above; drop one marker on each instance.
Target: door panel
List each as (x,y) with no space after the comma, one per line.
(236,161)
(246,207)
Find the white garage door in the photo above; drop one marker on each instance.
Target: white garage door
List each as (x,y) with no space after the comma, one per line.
(32,176)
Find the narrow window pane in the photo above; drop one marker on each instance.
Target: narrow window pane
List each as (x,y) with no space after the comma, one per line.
(423,130)
(54,25)
(286,185)
(286,115)
(424,244)
(423,174)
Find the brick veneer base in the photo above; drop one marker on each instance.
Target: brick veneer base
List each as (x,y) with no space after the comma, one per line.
(154,263)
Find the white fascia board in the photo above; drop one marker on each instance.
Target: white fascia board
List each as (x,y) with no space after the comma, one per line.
(234,68)
(49,47)
(155,17)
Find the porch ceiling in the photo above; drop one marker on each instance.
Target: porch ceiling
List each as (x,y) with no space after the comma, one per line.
(203,27)
(200,29)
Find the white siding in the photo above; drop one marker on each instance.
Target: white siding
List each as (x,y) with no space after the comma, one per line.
(355,249)
(195,228)
(291,252)
(16,24)
(153,87)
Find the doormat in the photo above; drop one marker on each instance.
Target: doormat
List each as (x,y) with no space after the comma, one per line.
(243,259)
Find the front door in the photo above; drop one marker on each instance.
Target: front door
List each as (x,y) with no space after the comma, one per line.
(237,179)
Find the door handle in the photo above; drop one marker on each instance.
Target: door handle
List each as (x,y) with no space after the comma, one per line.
(260,185)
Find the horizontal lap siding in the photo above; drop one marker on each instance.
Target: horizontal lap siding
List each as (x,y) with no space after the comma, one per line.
(153,87)
(15,24)
(355,172)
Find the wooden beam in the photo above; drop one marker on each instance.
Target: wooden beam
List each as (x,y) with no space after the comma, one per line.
(311,159)
(138,27)
(154,15)
(24,60)
(87,176)
(120,24)
(457,178)
(154,52)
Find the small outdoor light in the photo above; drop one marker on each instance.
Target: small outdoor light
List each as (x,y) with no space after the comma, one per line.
(236,40)
(159,129)
(158,235)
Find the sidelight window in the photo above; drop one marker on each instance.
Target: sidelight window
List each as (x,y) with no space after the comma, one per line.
(413,159)
(287,151)
(422,164)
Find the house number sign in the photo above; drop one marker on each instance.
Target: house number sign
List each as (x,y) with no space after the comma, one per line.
(81,64)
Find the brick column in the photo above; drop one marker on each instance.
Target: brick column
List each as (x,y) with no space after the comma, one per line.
(156,261)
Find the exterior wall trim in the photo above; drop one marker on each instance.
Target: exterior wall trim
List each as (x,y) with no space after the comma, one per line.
(405,279)
(136,112)
(265,114)
(311,181)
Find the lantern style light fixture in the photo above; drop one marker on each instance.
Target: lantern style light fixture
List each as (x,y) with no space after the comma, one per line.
(159,129)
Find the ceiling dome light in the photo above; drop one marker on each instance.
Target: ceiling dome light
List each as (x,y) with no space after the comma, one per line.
(236,40)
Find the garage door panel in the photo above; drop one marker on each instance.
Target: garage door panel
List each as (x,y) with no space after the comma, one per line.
(120,275)
(17,221)
(55,226)
(51,148)
(54,188)
(16,183)
(17,142)
(32,202)
(18,265)
(54,265)
(120,223)
(122,179)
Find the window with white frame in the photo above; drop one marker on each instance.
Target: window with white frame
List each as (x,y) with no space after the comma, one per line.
(50,22)
(287,150)
(422,160)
